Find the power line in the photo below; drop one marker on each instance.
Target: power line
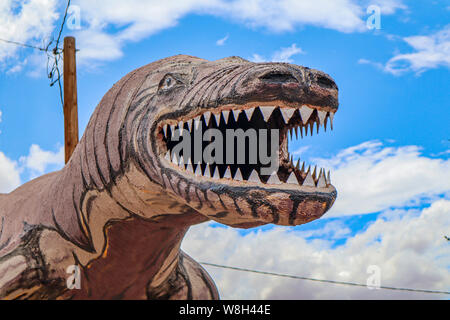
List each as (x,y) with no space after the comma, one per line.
(57,56)
(320,280)
(62,24)
(23,45)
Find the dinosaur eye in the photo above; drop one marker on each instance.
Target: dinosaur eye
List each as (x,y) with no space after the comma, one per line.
(167,82)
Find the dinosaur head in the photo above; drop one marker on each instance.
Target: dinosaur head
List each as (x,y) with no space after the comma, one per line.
(236,116)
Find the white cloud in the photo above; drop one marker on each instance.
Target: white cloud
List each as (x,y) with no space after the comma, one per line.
(1,116)
(409,248)
(285,54)
(285,15)
(430,52)
(387,6)
(135,20)
(9,174)
(222,41)
(257,58)
(332,230)
(377,65)
(39,161)
(18,67)
(371,177)
(26,22)
(106,26)
(282,55)
(297,153)
(35,164)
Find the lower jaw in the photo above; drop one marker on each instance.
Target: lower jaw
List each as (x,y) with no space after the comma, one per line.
(245,207)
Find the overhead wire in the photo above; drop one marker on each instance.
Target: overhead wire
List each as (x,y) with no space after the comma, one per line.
(321,280)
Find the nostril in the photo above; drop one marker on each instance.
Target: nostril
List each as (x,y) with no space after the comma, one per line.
(326,82)
(278,77)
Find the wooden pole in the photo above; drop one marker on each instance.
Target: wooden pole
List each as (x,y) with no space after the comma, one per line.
(70,98)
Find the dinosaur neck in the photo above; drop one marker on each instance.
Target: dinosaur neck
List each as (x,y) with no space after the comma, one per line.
(137,255)
(129,227)
(82,207)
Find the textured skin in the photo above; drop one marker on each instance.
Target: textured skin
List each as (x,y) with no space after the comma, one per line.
(117,211)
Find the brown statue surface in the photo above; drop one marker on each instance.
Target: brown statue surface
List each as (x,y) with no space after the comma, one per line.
(122,205)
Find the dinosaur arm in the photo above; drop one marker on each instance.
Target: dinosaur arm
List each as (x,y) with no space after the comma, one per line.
(188,280)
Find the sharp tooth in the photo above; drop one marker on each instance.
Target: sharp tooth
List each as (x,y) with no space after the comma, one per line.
(198,170)
(165,130)
(301,131)
(225,115)
(317,125)
(311,128)
(189,167)
(296,133)
(328,178)
(305,112)
(298,164)
(181,162)
(322,115)
(197,122)
(172,129)
(322,182)
(217,116)
(267,112)
(174,159)
(207,171)
(227,173)
(287,114)
(216,173)
(331,119)
(309,181)
(207,116)
(292,179)
(254,177)
(249,113)
(181,127)
(274,179)
(291,130)
(303,167)
(292,160)
(238,175)
(167,157)
(325,124)
(190,125)
(236,114)
(315,173)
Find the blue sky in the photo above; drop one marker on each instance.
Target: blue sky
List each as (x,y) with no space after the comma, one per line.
(389,151)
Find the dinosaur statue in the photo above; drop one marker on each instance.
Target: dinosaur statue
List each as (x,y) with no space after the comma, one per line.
(120,208)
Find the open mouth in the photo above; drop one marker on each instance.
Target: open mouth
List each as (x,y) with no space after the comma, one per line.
(269,127)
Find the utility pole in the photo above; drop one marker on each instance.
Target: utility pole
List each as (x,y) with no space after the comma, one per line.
(70,98)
